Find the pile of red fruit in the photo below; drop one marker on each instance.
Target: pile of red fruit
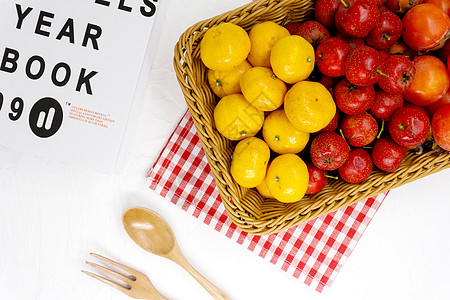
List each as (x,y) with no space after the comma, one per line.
(386,63)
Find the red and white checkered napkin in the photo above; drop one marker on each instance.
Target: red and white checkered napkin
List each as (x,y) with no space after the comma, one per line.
(313,252)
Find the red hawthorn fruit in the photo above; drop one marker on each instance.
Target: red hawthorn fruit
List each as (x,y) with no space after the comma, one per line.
(330,56)
(385,105)
(387,31)
(329,151)
(388,155)
(317,179)
(357,167)
(384,54)
(359,130)
(333,125)
(352,99)
(329,82)
(409,126)
(325,10)
(356,18)
(361,66)
(378,3)
(352,41)
(397,73)
(312,31)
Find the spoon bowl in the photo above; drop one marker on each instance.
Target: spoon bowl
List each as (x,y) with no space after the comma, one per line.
(152,233)
(149,231)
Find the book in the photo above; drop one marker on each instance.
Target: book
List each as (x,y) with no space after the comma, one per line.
(68,75)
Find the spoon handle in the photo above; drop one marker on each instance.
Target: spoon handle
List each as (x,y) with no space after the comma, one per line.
(178,258)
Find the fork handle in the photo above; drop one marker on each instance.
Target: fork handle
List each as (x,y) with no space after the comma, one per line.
(158,297)
(178,258)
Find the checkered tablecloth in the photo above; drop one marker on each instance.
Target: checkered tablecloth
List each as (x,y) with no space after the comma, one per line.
(314,252)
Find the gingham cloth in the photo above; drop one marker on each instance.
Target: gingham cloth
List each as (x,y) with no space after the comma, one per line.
(313,252)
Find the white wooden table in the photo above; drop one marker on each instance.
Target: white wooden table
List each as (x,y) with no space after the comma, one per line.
(52,215)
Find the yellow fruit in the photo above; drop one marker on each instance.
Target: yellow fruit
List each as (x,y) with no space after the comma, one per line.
(309,106)
(287,178)
(263,190)
(249,163)
(237,119)
(263,89)
(224,47)
(227,82)
(281,136)
(292,59)
(262,37)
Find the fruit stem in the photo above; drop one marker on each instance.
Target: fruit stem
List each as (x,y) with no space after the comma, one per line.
(332,177)
(219,82)
(342,134)
(381,130)
(406,77)
(381,73)
(352,87)
(386,36)
(345,4)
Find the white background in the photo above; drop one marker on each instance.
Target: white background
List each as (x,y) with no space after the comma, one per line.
(52,215)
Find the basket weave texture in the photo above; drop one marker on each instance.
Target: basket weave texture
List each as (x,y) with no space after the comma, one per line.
(247,209)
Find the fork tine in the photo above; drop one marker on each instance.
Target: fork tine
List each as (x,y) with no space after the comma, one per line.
(112,273)
(115,264)
(108,282)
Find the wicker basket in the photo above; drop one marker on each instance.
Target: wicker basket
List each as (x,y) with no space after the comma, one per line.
(246,208)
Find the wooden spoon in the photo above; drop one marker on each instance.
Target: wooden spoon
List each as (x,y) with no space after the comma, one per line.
(152,233)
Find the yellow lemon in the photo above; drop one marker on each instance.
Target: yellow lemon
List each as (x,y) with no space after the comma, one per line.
(224,47)
(262,37)
(227,82)
(309,106)
(237,119)
(292,59)
(263,89)
(249,162)
(281,136)
(287,178)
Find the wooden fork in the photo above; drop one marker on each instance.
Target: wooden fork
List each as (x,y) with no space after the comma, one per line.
(135,284)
